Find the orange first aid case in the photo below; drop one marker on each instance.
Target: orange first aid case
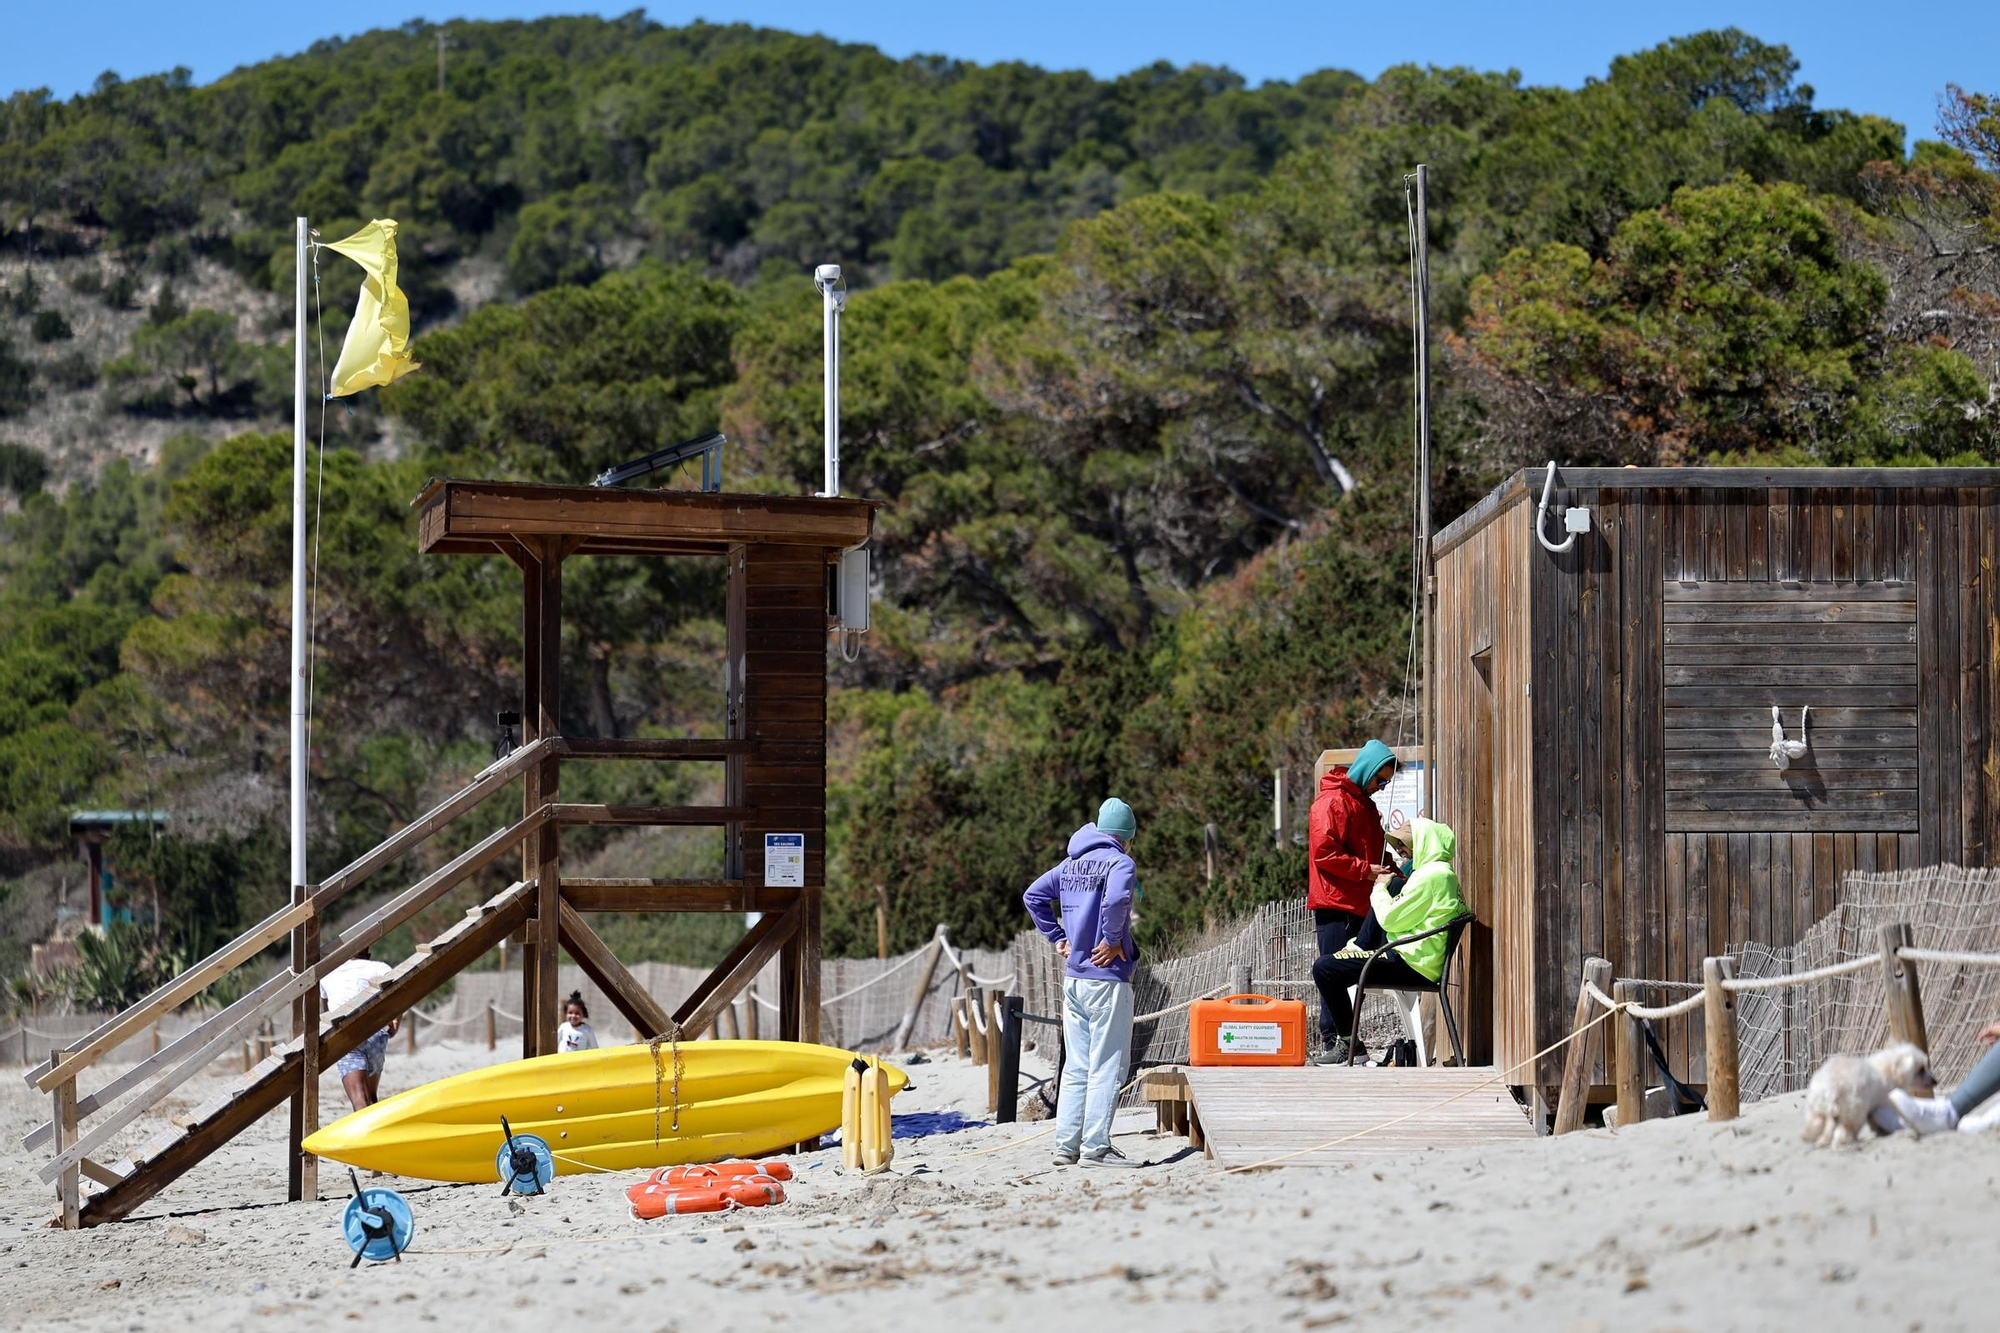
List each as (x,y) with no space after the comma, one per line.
(1247,1030)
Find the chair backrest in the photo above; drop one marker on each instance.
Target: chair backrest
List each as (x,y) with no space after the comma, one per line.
(1453,933)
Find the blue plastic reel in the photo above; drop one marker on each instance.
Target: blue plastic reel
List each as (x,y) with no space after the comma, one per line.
(378,1225)
(524,1164)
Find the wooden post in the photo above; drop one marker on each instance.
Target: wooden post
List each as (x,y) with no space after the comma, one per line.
(1007,1069)
(995,1047)
(302,1168)
(1899,988)
(410,1033)
(975,1010)
(491,1034)
(959,1025)
(881,921)
(1239,979)
(1631,1047)
(156,1038)
(68,1185)
(1281,828)
(1211,852)
(750,1018)
(1719,1014)
(1572,1104)
(541,861)
(925,972)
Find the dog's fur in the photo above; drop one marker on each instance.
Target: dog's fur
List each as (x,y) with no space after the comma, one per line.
(1848,1088)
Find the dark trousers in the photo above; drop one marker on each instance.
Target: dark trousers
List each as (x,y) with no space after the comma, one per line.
(1336,930)
(1334,975)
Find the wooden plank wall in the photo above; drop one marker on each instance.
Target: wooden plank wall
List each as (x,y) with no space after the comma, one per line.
(1609,875)
(1485,775)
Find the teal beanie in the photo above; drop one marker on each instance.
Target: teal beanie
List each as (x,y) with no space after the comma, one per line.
(1115,817)
(1368,763)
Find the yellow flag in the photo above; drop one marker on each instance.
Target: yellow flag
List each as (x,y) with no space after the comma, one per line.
(377,350)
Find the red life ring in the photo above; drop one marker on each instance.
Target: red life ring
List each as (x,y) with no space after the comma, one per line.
(652,1198)
(651,1203)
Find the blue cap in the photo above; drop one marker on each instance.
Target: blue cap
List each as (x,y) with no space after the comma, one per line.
(1115,817)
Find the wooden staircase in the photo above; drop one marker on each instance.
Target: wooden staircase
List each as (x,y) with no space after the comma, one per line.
(292,1070)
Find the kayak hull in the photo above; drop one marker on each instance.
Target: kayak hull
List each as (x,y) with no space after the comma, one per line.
(605,1110)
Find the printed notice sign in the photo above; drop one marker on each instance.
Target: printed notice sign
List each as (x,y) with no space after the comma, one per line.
(785,860)
(1253,1038)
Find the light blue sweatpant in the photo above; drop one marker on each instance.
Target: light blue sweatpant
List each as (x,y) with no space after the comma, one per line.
(1097,1044)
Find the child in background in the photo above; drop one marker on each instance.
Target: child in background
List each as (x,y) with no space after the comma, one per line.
(574,1033)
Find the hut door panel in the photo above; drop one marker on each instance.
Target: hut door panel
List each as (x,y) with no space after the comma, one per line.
(1734,650)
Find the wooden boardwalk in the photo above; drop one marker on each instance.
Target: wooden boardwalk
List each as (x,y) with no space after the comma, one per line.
(1248,1115)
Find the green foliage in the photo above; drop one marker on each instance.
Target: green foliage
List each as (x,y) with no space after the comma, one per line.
(49,326)
(114,968)
(17,382)
(207,889)
(22,470)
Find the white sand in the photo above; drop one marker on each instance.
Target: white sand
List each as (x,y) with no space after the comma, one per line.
(1670,1225)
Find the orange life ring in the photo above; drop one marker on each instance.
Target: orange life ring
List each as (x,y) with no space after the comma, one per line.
(651,1203)
(705,1175)
(754,1191)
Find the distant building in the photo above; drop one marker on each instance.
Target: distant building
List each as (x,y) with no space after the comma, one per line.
(88,829)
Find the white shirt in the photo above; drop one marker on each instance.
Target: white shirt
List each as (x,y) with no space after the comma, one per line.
(578,1038)
(350,980)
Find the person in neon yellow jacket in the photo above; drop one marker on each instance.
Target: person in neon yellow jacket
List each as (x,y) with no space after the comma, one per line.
(1430,899)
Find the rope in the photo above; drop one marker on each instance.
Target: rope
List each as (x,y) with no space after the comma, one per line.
(1209,994)
(671,1035)
(1459,1096)
(874,980)
(446,1022)
(1798,978)
(1949,956)
(1689,1005)
(498,1012)
(958,966)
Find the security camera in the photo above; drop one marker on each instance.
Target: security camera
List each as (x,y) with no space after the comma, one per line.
(826,275)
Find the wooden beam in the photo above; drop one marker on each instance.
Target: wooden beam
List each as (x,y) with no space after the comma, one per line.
(301,1167)
(576,747)
(594,956)
(456,513)
(735,972)
(674,895)
(694,816)
(1900,991)
(1719,1015)
(529,558)
(68,1188)
(542,941)
(1575,1098)
(103,1175)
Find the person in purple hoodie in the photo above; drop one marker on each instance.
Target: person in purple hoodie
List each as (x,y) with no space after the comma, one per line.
(1084,905)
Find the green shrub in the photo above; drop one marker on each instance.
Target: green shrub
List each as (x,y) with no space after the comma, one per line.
(73,370)
(49,326)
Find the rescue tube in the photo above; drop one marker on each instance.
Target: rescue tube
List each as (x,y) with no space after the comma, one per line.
(709,1175)
(651,1203)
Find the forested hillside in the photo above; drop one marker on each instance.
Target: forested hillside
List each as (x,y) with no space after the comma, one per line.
(1128,360)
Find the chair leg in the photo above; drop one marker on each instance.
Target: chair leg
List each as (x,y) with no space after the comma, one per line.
(1451,1026)
(1412,1005)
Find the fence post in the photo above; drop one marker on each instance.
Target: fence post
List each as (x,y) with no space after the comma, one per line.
(491,1034)
(156,1037)
(1239,979)
(1008,1066)
(975,1013)
(961,1028)
(68,1187)
(1899,988)
(1575,1096)
(925,972)
(410,1033)
(1719,1015)
(995,1048)
(1631,1046)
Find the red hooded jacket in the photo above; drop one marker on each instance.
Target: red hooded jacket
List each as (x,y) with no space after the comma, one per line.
(1344,842)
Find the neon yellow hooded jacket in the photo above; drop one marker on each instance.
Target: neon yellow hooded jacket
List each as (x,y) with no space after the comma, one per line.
(1429,900)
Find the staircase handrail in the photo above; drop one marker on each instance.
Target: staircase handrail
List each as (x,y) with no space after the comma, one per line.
(89,1049)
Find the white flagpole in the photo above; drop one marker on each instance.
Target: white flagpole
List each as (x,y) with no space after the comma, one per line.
(298,820)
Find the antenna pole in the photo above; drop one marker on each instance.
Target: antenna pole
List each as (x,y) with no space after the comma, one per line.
(1426,699)
(832,297)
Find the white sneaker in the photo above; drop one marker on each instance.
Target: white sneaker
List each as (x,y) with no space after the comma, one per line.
(1925,1115)
(1985,1118)
(1109,1157)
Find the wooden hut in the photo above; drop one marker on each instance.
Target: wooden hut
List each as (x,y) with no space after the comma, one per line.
(1604,724)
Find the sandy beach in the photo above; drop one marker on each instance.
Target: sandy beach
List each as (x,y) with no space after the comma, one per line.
(1668,1225)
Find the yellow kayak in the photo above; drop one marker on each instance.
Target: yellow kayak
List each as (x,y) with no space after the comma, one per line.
(612,1110)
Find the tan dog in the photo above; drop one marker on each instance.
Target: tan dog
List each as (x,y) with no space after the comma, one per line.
(1848,1089)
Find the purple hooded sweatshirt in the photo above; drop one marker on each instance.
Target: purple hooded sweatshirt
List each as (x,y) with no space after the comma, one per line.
(1093,890)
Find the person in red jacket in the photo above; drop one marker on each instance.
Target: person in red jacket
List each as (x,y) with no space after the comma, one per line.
(1344,841)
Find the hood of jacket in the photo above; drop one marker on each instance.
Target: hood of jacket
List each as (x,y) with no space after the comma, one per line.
(1091,838)
(1368,763)
(1430,842)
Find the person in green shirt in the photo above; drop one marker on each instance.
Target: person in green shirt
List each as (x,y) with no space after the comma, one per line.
(1430,899)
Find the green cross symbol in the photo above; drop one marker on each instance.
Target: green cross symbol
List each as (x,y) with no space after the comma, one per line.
(1229,1036)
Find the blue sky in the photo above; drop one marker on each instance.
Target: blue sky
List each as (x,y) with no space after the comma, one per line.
(1862,57)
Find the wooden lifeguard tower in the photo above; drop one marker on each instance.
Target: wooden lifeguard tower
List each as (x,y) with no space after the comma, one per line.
(778,551)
